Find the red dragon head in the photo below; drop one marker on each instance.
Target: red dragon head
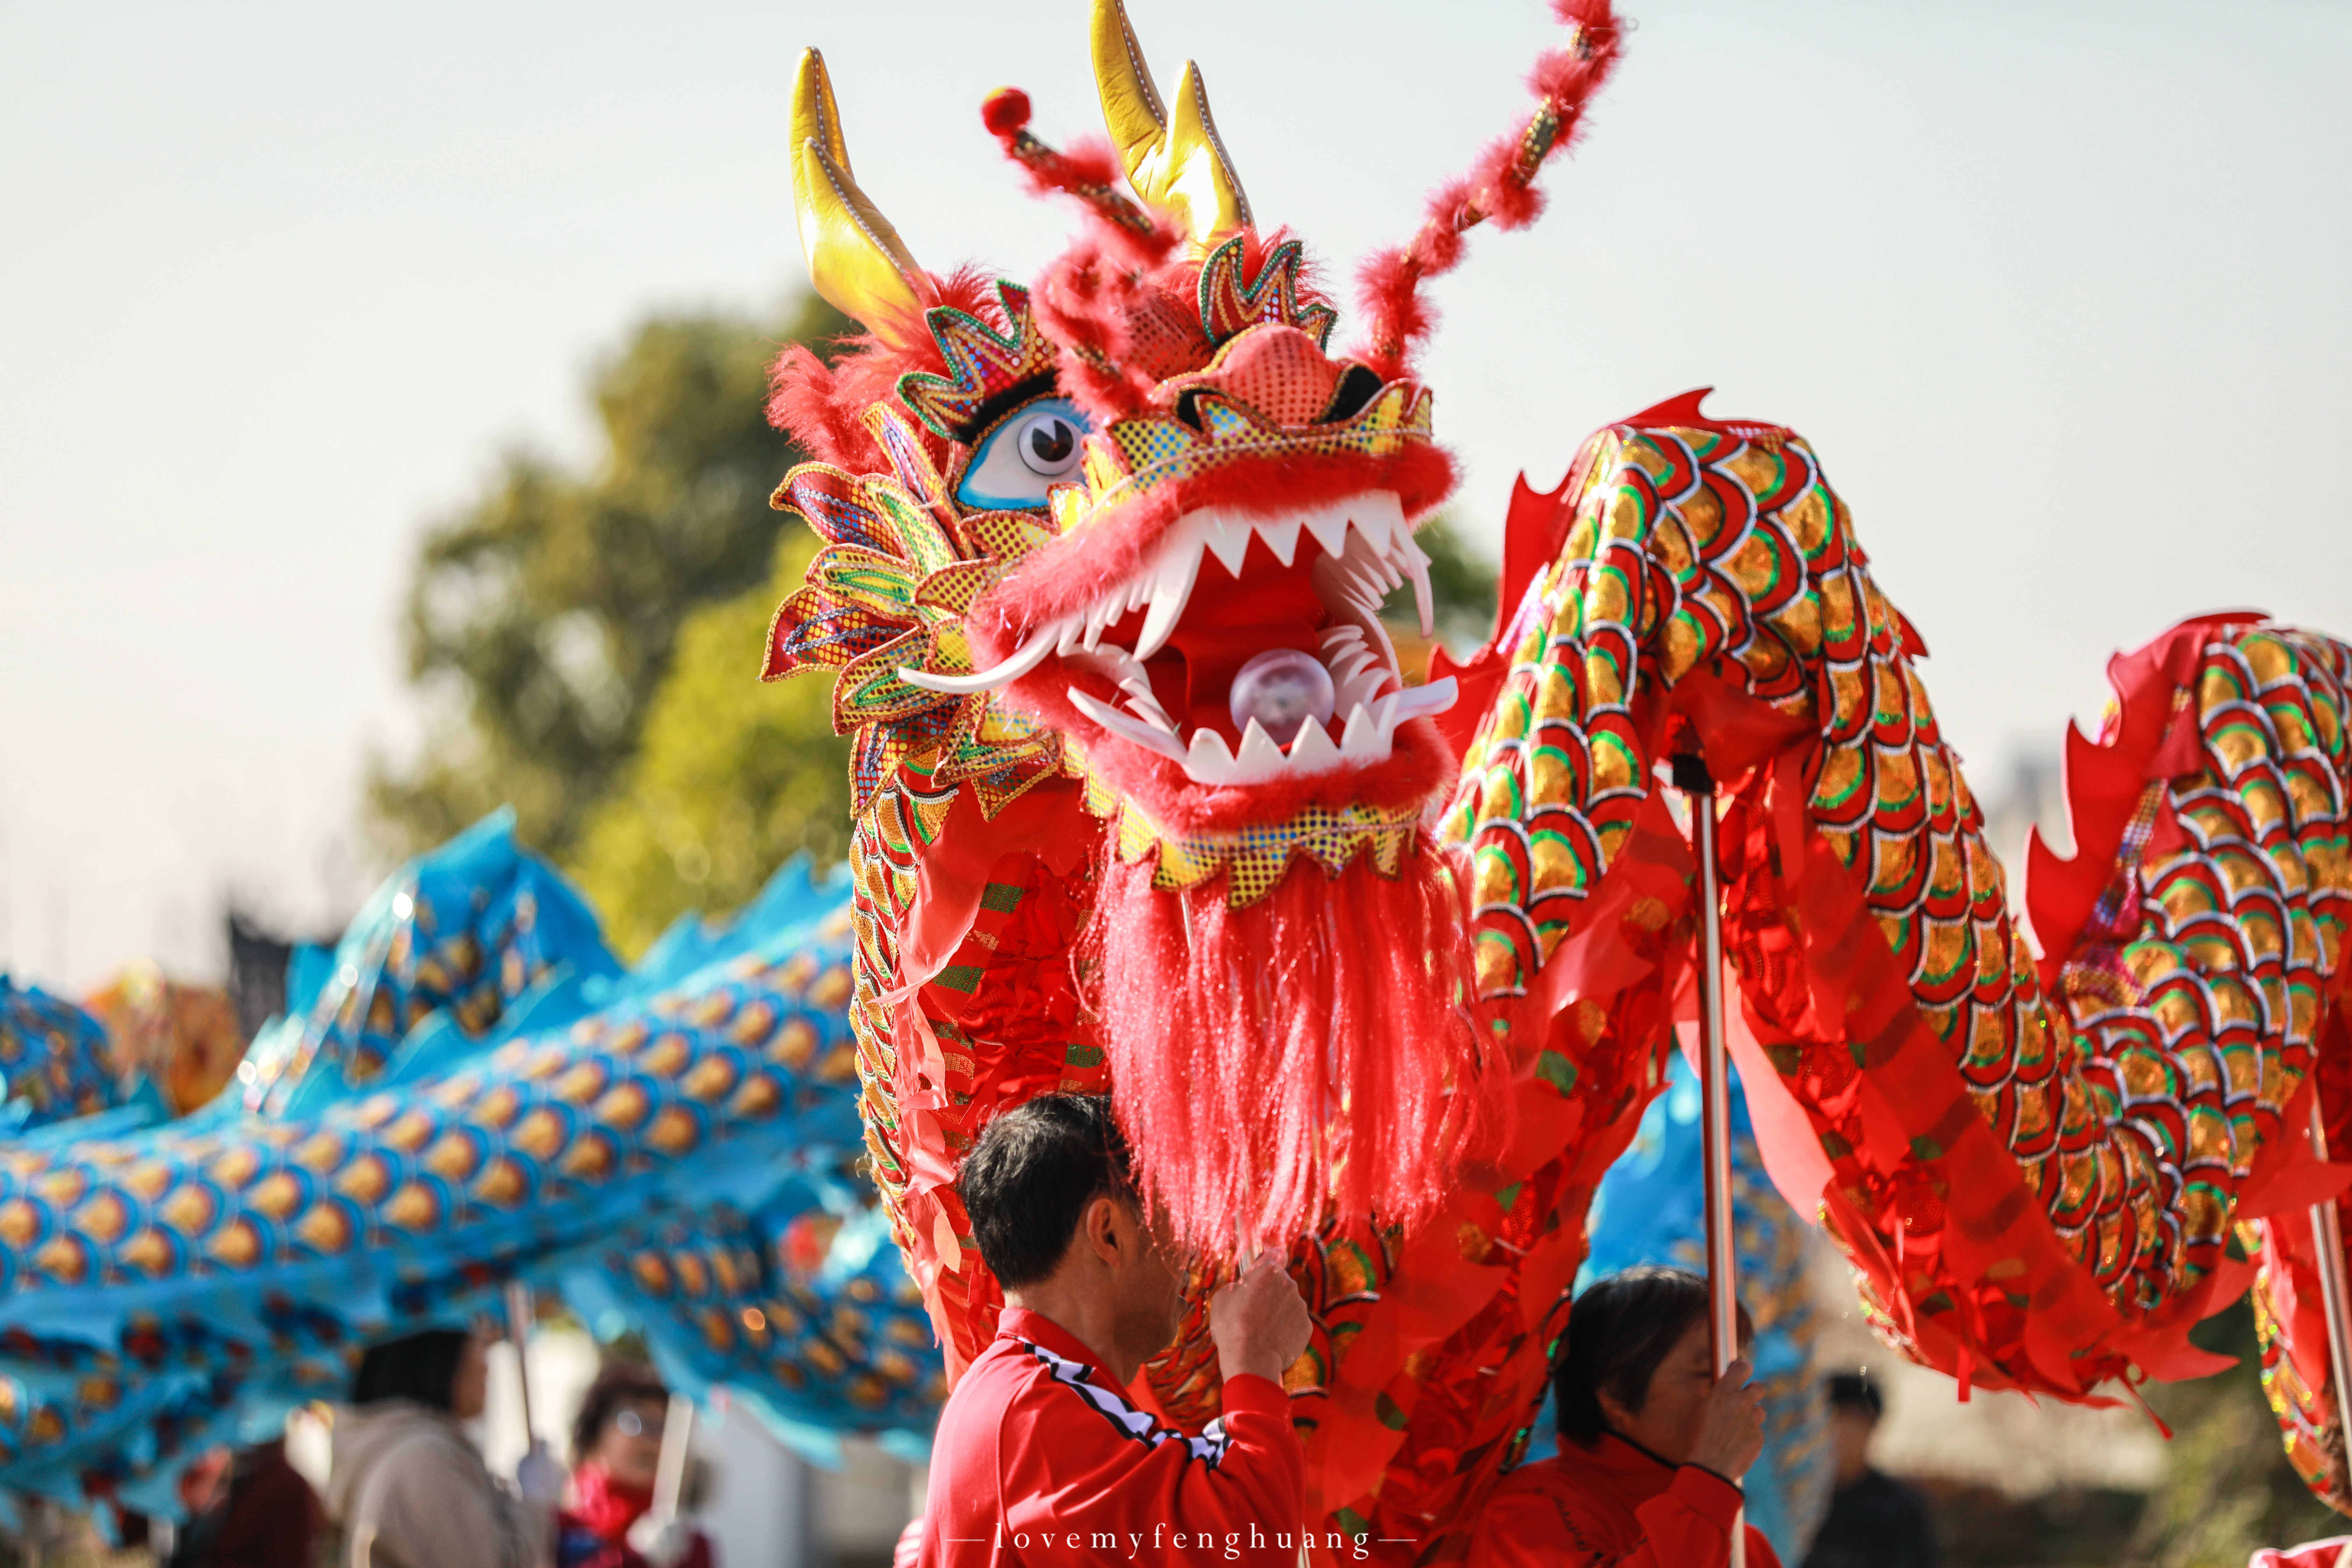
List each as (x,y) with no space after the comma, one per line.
(1132,527)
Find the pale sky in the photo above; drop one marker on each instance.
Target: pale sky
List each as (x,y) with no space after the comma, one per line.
(2057,290)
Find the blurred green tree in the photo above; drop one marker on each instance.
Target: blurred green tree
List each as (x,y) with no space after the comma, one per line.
(544,615)
(732,777)
(1462,586)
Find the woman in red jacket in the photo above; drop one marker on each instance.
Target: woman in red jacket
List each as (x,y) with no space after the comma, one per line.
(1652,1443)
(617,1442)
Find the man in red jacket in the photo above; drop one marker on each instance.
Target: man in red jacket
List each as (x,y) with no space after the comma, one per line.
(1040,1457)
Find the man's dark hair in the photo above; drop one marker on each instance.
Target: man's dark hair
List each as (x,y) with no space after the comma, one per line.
(1031,1174)
(422,1368)
(618,1383)
(1856,1391)
(1618,1333)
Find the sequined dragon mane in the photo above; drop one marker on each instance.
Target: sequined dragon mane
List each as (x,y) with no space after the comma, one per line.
(1384,972)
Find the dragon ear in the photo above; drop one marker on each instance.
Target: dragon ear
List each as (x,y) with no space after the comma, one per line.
(1173,160)
(855,259)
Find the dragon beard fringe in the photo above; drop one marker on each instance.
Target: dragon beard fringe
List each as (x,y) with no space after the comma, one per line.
(1302,1057)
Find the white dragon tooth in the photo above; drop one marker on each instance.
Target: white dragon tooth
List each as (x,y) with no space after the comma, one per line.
(1259,757)
(1067,633)
(1363,741)
(1139,698)
(1414,562)
(1126,728)
(1030,655)
(1171,588)
(1311,750)
(1334,637)
(1111,661)
(1384,713)
(1328,524)
(1281,537)
(1362,679)
(1225,538)
(1362,692)
(1435,698)
(1424,602)
(1369,585)
(1208,762)
(1380,516)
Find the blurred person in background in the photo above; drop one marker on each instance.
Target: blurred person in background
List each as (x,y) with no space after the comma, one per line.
(405,1482)
(247,1509)
(616,1444)
(1874,1520)
(1652,1443)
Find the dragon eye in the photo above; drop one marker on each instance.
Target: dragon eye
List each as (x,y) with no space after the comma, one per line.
(1034,448)
(1049,444)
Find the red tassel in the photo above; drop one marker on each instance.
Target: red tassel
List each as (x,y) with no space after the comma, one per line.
(1500,186)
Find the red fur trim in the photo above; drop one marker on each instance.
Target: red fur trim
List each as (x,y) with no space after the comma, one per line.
(820,405)
(1296,1057)
(1074,572)
(1122,316)
(806,402)
(1087,301)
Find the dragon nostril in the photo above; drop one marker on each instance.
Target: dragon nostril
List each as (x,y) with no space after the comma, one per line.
(1356,390)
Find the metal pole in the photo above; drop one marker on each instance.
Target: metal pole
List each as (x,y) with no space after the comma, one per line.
(2328,1239)
(669,1468)
(517,1334)
(1714,1096)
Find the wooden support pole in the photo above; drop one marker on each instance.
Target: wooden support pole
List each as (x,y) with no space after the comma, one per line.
(1714,1094)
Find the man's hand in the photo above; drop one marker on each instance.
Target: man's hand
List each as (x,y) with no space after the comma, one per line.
(541,1477)
(1730,1424)
(663,1543)
(1259,1322)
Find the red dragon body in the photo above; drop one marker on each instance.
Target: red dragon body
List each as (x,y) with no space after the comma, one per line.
(1384,974)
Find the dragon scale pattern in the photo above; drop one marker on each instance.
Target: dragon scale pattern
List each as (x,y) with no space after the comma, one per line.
(1722,550)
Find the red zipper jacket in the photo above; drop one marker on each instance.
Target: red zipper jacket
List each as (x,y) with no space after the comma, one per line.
(1040,1459)
(1613,1504)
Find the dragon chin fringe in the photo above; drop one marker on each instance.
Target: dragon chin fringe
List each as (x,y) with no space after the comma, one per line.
(1298,1058)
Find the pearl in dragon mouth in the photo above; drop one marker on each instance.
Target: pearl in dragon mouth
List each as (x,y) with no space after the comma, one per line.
(1218,680)
(1280,691)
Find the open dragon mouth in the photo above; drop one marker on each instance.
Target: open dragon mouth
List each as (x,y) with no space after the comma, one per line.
(1246,650)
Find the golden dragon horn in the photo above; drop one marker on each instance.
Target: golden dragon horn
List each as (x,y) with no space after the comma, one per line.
(855,259)
(1174,160)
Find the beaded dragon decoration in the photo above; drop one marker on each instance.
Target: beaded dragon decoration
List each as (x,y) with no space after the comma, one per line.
(1385,973)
